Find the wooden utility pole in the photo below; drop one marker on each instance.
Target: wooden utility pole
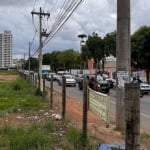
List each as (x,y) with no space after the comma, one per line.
(85,110)
(63,97)
(51,92)
(40,14)
(123,58)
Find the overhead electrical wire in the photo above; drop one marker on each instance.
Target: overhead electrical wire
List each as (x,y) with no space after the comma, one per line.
(67,9)
(62,18)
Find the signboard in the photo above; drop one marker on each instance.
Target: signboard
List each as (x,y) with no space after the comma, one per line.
(99,103)
(123,77)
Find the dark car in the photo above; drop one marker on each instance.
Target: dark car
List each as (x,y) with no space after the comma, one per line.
(100,86)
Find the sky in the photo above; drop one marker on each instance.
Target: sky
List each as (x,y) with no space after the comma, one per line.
(91,16)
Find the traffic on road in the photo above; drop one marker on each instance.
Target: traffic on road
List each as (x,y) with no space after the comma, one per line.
(76,93)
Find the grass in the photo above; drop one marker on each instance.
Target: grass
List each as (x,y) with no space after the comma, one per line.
(20,96)
(5,72)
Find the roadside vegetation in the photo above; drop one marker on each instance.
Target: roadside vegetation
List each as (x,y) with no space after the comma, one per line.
(38,129)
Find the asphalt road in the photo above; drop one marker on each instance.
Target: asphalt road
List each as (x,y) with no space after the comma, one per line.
(75,93)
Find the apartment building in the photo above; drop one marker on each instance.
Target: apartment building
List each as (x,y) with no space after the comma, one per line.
(6,49)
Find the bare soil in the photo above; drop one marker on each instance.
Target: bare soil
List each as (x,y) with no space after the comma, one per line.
(96,126)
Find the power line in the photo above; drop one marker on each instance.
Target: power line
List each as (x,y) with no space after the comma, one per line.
(62,19)
(67,9)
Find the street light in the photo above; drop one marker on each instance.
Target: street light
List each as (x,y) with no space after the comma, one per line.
(82,36)
(82,42)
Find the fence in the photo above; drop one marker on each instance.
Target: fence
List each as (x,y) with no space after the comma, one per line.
(99,103)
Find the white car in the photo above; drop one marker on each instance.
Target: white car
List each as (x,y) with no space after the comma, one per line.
(70,81)
(145,88)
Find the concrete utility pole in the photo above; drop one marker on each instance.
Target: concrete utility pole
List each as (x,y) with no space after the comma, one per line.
(123,58)
(29,59)
(132,111)
(40,14)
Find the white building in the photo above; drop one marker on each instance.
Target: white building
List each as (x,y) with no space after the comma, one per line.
(6,49)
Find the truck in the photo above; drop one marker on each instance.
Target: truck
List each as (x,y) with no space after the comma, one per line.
(46,69)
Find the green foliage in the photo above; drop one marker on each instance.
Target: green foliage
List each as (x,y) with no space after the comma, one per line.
(66,59)
(110,43)
(16,86)
(94,47)
(23,138)
(34,64)
(18,94)
(141,47)
(145,137)
(34,136)
(75,137)
(6,72)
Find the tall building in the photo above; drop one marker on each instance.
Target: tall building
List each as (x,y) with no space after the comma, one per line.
(6,49)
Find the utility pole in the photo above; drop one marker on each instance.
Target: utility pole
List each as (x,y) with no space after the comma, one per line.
(123,58)
(24,61)
(29,58)
(40,14)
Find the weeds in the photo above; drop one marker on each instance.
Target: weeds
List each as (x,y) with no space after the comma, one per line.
(20,96)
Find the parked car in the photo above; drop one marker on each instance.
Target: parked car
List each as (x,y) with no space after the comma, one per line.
(70,81)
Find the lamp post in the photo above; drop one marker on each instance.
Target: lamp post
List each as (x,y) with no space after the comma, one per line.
(81,36)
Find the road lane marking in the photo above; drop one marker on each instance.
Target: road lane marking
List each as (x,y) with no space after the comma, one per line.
(142,114)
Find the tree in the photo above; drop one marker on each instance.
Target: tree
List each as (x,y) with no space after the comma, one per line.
(141,49)
(33,64)
(51,59)
(110,43)
(67,58)
(94,48)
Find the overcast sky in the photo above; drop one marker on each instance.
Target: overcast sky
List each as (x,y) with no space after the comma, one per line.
(91,16)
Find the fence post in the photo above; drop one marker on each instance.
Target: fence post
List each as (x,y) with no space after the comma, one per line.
(132,115)
(44,85)
(51,92)
(85,107)
(63,97)
(35,81)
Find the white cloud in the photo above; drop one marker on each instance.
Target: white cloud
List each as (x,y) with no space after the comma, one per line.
(91,16)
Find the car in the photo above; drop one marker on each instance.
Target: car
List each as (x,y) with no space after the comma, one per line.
(50,75)
(80,79)
(144,88)
(99,85)
(70,81)
(104,84)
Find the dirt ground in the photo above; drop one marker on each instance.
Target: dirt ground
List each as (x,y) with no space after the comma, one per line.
(96,125)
